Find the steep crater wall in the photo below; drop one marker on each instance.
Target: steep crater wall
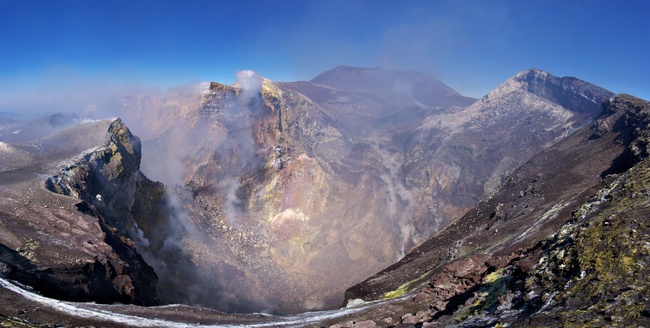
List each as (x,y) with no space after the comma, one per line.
(112,188)
(60,246)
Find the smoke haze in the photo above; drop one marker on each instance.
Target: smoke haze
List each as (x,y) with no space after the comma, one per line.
(186,147)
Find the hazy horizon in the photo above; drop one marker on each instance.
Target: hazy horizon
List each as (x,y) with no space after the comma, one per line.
(62,55)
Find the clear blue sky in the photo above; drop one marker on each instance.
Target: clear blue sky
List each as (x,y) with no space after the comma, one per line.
(67,52)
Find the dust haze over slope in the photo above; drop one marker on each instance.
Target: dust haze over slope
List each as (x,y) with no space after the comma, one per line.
(563,241)
(517,263)
(281,195)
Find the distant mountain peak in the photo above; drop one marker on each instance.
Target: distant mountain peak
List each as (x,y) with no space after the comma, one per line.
(390,83)
(531,73)
(346,69)
(568,92)
(534,70)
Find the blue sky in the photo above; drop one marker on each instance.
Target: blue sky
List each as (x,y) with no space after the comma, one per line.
(60,54)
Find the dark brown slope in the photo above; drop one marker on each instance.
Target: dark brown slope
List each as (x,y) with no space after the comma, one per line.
(533,203)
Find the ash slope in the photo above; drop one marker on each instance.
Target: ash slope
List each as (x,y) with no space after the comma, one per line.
(276,198)
(563,241)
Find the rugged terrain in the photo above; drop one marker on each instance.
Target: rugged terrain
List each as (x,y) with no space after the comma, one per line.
(290,185)
(563,240)
(276,195)
(57,245)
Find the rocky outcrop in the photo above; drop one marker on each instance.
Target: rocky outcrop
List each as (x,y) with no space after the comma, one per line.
(117,273)
(75,248)
(109,179)
(112,188)
(568,92)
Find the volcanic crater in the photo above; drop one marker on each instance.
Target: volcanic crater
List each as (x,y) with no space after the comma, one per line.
(281,197)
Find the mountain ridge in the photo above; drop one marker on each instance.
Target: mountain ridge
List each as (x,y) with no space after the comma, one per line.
(459,276)
(384,82)
(484,142)
(312,182)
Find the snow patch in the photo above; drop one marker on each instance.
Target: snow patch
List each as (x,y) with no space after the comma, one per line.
(76,310)
(93,311)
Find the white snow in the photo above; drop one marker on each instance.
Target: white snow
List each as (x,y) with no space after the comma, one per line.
(93,312)
(76,310)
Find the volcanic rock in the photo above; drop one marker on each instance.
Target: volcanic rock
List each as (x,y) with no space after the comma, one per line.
(285,192)
(577,236)
(277,202)
(62,246)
